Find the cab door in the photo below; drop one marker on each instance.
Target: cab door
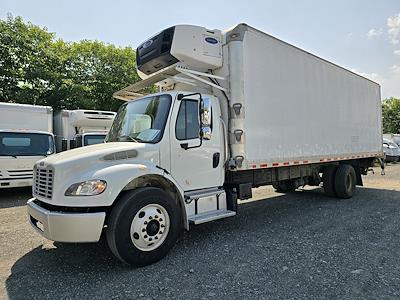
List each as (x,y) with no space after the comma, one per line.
(197,163)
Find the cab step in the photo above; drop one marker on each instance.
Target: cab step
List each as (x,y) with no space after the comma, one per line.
(211,216)
(197,194)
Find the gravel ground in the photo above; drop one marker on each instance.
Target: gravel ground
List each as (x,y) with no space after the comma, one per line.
(301,245)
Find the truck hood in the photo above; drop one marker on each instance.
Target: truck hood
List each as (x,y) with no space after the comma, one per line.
(105,152)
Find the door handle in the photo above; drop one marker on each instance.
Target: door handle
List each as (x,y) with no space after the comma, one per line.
(216,159)
(185,146)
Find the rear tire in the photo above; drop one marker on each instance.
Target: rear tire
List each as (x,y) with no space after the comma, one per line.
(345,181)
(143,226)
(328,179)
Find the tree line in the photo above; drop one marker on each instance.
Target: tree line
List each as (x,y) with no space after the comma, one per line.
(391,115)
(36,67)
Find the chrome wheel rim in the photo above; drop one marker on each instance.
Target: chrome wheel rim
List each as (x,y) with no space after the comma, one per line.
(150,227)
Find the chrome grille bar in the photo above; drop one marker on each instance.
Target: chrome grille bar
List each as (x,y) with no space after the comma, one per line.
(43,182)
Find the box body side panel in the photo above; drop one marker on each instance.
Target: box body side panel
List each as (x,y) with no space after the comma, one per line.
(298,106)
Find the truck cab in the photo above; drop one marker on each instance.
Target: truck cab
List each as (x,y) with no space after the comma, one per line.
(171,122)
(78,128)
(19,151)
(170,143)
(25,137)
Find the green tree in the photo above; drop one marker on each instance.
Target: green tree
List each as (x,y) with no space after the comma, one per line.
(391,115)
(94,71)
(26,61)
(37,68)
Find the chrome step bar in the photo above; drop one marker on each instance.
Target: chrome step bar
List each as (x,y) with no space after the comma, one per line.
(211,216)
(203,193)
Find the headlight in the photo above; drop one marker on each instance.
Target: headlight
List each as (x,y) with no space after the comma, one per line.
(87,188)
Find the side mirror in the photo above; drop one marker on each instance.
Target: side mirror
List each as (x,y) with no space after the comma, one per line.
(205,119)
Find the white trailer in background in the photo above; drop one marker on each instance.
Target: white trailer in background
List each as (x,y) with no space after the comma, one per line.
(238,109)
(25,137)
(77,128)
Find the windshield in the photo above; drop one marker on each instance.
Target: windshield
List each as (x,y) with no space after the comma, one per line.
(25,144)
(141,120)
(93,139)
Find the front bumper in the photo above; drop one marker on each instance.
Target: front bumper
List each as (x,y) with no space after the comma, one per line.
(66,227)
(15,182)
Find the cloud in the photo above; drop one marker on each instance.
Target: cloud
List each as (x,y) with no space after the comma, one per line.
(349,35)
(389,81)
(397,52)
(393,24)
(374,33)
(373,76)
(395,69)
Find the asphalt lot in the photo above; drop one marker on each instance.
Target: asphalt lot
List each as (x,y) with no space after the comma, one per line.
(300,245)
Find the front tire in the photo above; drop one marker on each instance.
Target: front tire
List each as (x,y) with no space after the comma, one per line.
(143,226)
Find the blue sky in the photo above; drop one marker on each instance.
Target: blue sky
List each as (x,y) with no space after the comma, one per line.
(363,36)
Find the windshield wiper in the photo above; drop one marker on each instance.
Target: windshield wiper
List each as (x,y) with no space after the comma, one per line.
(136,140)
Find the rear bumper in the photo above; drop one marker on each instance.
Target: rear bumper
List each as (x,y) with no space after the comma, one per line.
(66,227)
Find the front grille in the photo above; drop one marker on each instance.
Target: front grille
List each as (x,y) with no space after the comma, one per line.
(43,182)
(20,173)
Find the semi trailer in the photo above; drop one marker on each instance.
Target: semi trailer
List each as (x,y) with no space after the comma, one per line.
(78,128)
(237,109)
(25,137)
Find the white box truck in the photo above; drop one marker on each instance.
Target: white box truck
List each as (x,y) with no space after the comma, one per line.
(25,137)
(77,128)
(238,109)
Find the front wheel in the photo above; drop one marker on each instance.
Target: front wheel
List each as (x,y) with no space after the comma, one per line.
(143,226)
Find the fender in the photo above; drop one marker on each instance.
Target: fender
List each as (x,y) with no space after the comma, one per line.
(158,177)
(133,175)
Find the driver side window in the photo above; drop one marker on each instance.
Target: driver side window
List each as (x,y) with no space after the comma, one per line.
(187,123)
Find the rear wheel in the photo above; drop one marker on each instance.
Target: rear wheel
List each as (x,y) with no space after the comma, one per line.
(345,181)
(143,226)
(328,179)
